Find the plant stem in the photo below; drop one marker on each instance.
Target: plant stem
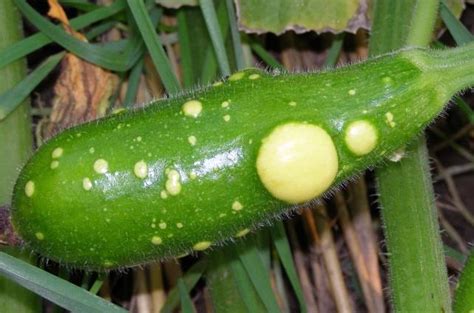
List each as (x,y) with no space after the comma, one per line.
(418,277)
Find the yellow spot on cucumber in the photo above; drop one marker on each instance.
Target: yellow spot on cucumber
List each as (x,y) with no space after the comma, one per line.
(361,137)
(236,76)
(226,117)
(242,233)
(352,92)
(54,164)
(162,225)
(179,225)
(163,194)
(91,150)
(389,119)
(39,236)
(225,104)
(192,108)
(156,240)
(57,153)
(173,184)
(297,162)
(140,169)
(101,166)
(202,245)
(292,103)
(217,84)
(86,183)
(237,206)
(254,76)
(192,140)
(30,188)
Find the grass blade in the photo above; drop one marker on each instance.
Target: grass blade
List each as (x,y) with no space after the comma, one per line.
(113,60)
(38,40)
(460,34)
(133,84)
(15,96)
(192,276)
(154,45)
(53,288)
(210,16)
(255,268)
(265,56)
(334,51)
(284,252)
(235,35)
(186,303)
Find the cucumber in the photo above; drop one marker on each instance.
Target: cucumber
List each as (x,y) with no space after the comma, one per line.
(190,172)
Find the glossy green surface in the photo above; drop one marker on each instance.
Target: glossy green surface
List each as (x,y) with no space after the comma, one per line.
(82,217)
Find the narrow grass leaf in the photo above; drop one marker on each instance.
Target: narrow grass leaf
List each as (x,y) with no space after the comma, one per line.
(210,16)
(185,49)
(459,32)
(284,252)
(255,268)
(154,45)
(265,56)
(96,286)
(113,60)
(235,35)
(133,83)
(192,276)
(53,288)
(39,40)
(100,29)
(10,99)
(334,51)
(186,303)
(82,5)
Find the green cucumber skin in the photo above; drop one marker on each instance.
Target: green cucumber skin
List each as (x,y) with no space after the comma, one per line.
(111,225)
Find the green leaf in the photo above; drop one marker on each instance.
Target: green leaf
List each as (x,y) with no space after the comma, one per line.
(210,16)
(255,268)
(96,54)
(459,32)
(153,43)
(38,40)
(278,16)
(186,303)
(176,3)
(53,288)
(192,276)
(284,252)
(15,96)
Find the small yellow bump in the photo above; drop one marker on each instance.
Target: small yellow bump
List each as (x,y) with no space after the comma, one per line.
(254,76)
(202,245)
(397,155)
(57,153)
(179,225)
(292,103)
(118,111)
(54,164)
(140,169)
(91,150)
(352,92)
(192,175)
(173,184)
(86,183)
(297,162)
(101,166)
(163,194)
(226,117)
(222,215)
(156,240)
(225,104)
(29,188)
(387,80)
(192,108)
(162,225)
(236,76)
(192,140)
(389,119)
(217,84)
(39,235)
(242,233)
(361,137)
(237,206)
(108,264)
